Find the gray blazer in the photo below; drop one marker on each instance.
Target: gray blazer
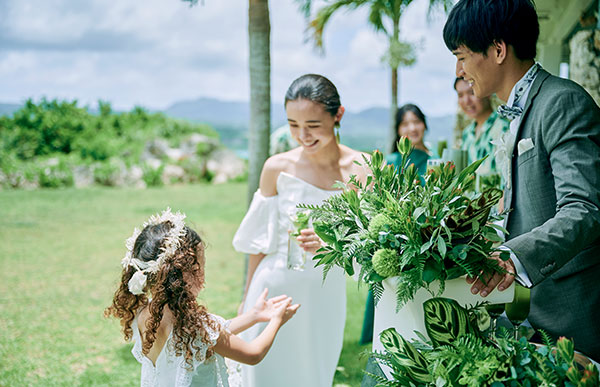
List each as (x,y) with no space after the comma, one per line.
(554,197)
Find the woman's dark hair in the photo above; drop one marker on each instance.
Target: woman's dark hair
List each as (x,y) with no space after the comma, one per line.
(409,107)
(477,24)
(173,285)
(315,88)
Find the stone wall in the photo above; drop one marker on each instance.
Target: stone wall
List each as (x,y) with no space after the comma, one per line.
(584,66)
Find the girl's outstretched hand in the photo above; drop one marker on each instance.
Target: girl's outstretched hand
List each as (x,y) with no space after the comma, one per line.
(285,310)
(265,309)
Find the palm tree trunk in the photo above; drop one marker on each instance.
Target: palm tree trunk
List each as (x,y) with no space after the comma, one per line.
(259,127)
(393,110)
(394,104)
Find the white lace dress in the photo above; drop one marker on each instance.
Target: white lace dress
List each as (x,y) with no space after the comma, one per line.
(170,370)
(307,349)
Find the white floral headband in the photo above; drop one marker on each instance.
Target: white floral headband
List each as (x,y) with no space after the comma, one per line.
(169,246)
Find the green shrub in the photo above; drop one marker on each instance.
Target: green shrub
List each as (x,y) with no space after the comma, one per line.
(55,174)
(242,177)
(195,169)
(203,149)
(15,173)
(54,128)
(43,129)
(153,176)
(107,172)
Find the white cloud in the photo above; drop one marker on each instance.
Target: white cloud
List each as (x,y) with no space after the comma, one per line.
(156,52)
(367,48)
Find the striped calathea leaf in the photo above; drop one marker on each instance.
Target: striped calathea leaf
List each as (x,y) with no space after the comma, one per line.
(446,320)
(405,356)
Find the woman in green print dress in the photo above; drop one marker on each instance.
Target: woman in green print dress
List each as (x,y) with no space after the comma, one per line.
(411,123)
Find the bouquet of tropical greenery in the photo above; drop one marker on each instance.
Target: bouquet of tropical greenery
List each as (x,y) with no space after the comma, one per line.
(394,226)
(460,353)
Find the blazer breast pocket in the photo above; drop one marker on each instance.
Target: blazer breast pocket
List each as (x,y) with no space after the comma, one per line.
(528,155)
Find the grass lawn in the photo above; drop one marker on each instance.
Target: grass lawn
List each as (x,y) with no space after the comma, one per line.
(60,253)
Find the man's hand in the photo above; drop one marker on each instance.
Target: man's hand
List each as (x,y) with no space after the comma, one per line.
(485,286)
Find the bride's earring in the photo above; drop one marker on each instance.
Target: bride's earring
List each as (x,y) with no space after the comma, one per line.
(337,132)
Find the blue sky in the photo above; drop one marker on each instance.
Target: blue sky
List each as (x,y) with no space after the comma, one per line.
(156,52)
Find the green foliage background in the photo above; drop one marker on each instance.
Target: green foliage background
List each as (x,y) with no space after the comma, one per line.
(76,136)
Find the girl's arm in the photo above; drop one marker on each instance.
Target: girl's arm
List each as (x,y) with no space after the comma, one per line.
(231,346)
(263,310)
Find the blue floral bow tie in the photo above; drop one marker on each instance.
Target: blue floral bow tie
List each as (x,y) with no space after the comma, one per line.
(510,112)
(515,111)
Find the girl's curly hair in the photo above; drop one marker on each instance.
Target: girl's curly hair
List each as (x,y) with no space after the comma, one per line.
(172,285)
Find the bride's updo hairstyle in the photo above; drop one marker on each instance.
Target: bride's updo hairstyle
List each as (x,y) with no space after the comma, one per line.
(315,88)
(175,283)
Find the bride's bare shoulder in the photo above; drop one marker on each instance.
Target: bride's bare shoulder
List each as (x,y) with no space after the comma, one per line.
(356,162)
(281,162)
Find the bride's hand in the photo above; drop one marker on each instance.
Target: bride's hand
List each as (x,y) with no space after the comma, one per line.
(309,241)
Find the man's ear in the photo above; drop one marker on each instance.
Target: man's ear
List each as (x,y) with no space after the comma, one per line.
(499,50)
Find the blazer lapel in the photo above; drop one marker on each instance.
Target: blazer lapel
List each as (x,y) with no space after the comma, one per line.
(533,92)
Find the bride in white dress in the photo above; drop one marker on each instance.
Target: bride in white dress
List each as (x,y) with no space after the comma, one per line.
(306,353)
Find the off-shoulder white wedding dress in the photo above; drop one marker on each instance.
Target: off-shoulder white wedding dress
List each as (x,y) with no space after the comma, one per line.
(307,349)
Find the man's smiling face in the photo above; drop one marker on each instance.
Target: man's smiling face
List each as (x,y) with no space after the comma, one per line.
(479,70)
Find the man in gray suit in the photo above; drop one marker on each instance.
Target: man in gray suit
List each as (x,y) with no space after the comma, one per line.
(552,167)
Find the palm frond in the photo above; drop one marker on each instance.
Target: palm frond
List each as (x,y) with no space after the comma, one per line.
(317,25)
(305,7)
(376,17)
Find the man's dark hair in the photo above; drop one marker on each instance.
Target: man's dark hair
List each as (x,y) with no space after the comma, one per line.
(477,24)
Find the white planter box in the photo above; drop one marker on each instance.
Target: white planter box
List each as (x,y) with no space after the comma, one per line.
(410,317)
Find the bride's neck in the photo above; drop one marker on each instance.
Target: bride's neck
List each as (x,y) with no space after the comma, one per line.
(326,157)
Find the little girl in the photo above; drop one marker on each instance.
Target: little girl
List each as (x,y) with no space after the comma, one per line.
(176,340)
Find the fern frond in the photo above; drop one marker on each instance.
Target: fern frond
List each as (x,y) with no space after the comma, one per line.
(546,338)
(377,289)
(326,269)
(380,380)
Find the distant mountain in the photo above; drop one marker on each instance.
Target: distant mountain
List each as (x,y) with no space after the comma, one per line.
(365,130)
(220,113)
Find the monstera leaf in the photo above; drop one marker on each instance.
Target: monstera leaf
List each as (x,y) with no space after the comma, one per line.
(404,356)
(446,320)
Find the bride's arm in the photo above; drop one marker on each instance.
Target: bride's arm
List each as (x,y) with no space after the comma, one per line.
(268,187)
(253,261)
